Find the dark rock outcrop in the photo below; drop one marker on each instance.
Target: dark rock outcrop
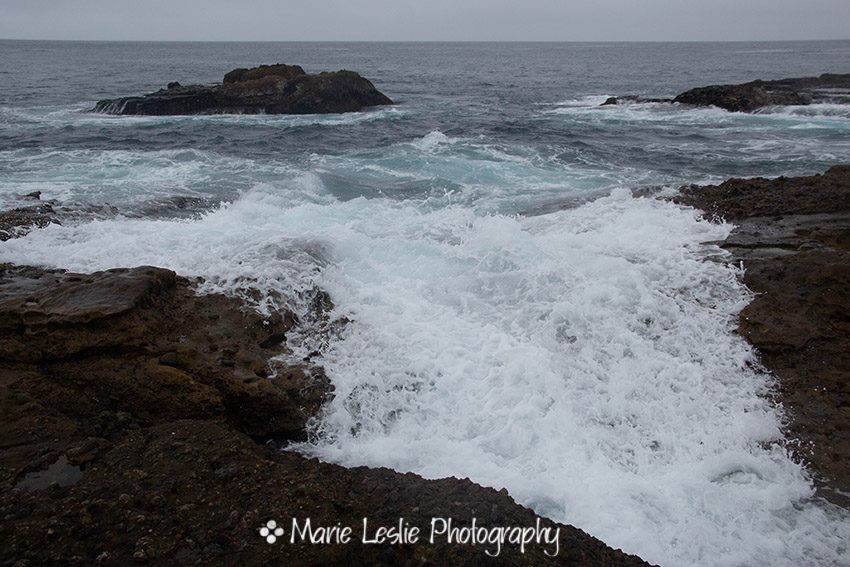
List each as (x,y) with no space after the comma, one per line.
(738,199)
(17,222)
(793,236)
(268,89)
(140,423)
(140,342)
(751,96)
(21,220)
(632,99)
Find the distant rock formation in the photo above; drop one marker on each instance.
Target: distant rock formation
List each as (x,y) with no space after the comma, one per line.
(268,89)
(751,96)
(634,99)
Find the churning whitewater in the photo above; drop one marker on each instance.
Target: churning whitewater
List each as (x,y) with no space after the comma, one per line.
(518,314)
(585,359)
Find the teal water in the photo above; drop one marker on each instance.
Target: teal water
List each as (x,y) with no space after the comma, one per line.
(515,112)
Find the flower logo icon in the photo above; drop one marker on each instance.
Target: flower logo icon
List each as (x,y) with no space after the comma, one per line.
(271,531)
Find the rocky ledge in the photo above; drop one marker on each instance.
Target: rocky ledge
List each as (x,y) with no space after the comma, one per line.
(749,97)
(268,89)
(793,236)
(142,423)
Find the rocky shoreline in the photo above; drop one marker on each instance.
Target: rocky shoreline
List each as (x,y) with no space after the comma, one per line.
(142,422)
(793,238)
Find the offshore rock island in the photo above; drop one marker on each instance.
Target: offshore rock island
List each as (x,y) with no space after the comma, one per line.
(267,89)
(748,97)
(751,96)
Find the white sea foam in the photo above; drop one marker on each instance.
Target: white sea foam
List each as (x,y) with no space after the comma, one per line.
(584,360)
(126,178)
(261,247)
(649,113)
(829,115)
(832,115)
(79,116)
(432,141)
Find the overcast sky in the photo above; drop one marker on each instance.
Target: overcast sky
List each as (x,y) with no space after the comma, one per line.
(472,20)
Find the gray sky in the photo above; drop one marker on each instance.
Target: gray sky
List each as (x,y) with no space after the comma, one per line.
(302,20)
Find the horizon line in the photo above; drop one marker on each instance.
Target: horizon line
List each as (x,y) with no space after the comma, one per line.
(424,40)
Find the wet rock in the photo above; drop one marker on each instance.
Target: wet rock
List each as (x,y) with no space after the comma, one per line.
(87,451)
(268,89)
(111,382)
(139,343)
(217,511)
(17,222)
(176,206)
(737,199)
(169,359)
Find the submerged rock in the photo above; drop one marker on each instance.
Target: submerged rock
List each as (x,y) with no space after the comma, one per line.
(268,89)
(632,99)
(17,222)
(747,97)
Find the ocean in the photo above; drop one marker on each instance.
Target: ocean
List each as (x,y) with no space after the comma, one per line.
(519,315)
